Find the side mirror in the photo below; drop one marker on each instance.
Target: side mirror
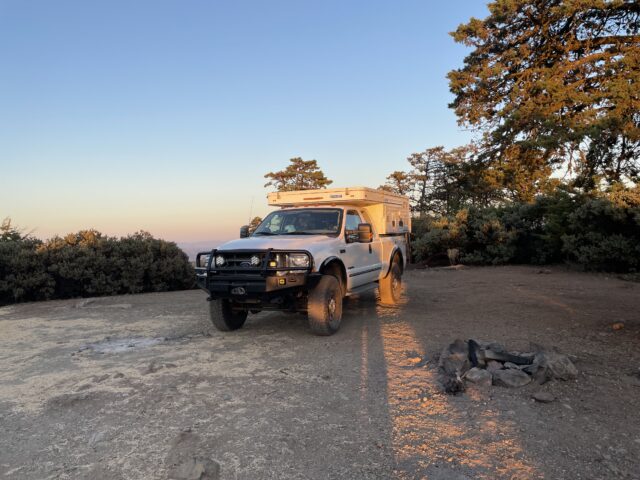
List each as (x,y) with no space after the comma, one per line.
(244,231)
(365,233)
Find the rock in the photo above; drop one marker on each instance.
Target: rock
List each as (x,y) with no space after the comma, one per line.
(452,385)
(196,468)
(454,359)
(186,459)
(544,271)
(530,369)
(528,356)
(479,376)
(476,354)
(496,347)
(511,378)
(506,357)
(453,364)
(617,326)
(510,365)
(543,397)
(553,365)
(492,365)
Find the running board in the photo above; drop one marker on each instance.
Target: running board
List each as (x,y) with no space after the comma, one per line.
(362,288)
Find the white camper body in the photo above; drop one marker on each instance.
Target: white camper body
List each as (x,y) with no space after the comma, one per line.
(389,212)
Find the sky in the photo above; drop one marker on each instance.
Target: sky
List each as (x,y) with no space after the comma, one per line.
(164,116)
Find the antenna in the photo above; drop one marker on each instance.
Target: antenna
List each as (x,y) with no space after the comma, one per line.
(251,209)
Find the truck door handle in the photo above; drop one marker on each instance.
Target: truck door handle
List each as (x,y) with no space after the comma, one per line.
(342,250)
(370,250)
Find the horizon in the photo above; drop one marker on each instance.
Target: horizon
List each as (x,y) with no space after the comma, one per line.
(162,118)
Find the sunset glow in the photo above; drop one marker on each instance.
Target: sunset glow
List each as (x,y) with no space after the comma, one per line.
(163,118)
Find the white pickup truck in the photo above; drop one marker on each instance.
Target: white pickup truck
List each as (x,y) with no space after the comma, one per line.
(319,247)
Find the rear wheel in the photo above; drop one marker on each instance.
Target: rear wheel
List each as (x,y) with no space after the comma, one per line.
(224,318)
(391,285)
(325,306)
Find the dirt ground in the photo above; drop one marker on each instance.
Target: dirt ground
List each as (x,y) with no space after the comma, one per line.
(120,387)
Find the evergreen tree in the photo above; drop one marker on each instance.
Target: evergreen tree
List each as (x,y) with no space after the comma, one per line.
(299,175)
(553,84)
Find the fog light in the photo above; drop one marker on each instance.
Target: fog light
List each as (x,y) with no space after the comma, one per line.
(273,264)
(282,281)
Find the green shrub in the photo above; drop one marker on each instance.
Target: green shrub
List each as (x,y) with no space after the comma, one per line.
(603,235)
(88,264)
(599,233)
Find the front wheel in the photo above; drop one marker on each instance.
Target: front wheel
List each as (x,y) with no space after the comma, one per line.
(224,318)
(325,306)
(391,286)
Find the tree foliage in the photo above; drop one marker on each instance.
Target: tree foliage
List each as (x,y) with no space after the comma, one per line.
(298,175)
(254,223)
(9,231)
(553,83)
(441,182)
(552,89)
(398,182)
(88,263)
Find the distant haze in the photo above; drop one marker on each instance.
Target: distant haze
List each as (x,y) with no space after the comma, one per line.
(193,248)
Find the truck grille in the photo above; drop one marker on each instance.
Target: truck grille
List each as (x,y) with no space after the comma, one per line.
(237,262)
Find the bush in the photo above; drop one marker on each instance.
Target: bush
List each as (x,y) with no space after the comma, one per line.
(599,233)
(603,235)
(88,264)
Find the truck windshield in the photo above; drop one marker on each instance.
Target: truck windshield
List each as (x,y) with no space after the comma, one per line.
(312,221)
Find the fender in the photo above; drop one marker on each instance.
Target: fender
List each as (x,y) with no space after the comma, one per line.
(396,250)
(333,258)
(326,261)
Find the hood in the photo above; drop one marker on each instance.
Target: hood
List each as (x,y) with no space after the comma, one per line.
(277,242)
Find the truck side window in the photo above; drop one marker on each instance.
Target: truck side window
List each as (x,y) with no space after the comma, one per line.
(353,220)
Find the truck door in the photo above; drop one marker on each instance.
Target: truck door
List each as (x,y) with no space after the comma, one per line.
(363,265)
(377,250)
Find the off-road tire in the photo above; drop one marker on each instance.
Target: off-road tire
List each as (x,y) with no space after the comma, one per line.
(224,318)
(391,285)
(325,306)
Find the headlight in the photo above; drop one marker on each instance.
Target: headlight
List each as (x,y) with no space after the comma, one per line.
(298,260)
(289,260)
(219,261)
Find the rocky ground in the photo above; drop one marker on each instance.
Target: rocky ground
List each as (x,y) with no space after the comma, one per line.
(139,387)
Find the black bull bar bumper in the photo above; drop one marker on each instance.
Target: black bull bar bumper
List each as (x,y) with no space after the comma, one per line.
(241,280)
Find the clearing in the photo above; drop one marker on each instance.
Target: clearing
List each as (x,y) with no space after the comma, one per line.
(128,387)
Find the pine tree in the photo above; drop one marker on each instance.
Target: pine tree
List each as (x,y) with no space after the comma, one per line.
(553,84)
(299,175)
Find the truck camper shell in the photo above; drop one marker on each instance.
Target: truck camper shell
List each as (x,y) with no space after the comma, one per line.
(390,212)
